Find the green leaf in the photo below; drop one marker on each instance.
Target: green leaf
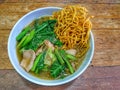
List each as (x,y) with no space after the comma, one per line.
(29,38)
(40,64)
(36,62)
(56,69)
(63,54)
(50,57)
(23,33)
(59,57)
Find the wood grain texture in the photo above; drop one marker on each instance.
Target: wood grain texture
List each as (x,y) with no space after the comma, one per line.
(26,7)
(94,78)
(107,51)
(106,16)
(63,1)
(106,26)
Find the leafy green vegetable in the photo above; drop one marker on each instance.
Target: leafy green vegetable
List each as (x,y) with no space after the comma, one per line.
(45,24)
(23,33)
(50,57)
(29,38)
(36,62)
(59,57)
(52,21)
(26,39)
(47,33)
(54,40)
(36,24)
(63,54)
(69,65)
(40,64)
(21,42)
(42,32)
(41,27)
(56,69)
(36,42)
(71,57)
(68,56)
(46,68)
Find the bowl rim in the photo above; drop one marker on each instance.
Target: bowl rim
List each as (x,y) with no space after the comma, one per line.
(42,83)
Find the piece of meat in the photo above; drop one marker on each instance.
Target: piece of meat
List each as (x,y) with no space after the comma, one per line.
(39,50)
(71,51)
(73,65)
(49,44)
(28,59)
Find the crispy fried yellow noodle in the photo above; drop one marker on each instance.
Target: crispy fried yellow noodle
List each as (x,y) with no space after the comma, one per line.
(73,26)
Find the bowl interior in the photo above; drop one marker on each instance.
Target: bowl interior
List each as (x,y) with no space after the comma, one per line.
(25,20)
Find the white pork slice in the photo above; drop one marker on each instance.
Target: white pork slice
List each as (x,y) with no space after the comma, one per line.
(39,51)
(28,59)
(49,44)
(71,51)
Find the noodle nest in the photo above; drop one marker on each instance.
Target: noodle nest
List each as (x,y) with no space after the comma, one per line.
(73,27)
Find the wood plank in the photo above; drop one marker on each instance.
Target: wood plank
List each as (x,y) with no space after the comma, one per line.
(98,10)
(26,7)
(8,21)
(4,60)
(63,1)
(94,78)
(106,16)
(102,72)
(105,23)
(107,51)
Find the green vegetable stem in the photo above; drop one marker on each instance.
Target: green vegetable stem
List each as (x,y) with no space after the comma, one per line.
(39,63)
(26,39)
(56,69)
(63,54)
(36,62)
(69,65)
(23,33)
(59,57)
(71,57)
(41,27)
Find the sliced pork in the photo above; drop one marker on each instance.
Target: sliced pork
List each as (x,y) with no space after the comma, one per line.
(28,59)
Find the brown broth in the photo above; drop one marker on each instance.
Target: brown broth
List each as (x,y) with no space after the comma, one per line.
(19,55)
(43,75)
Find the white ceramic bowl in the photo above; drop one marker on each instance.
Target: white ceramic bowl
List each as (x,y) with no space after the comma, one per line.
(25,20)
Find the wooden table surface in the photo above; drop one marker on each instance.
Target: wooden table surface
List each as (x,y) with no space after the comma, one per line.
(104,71)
